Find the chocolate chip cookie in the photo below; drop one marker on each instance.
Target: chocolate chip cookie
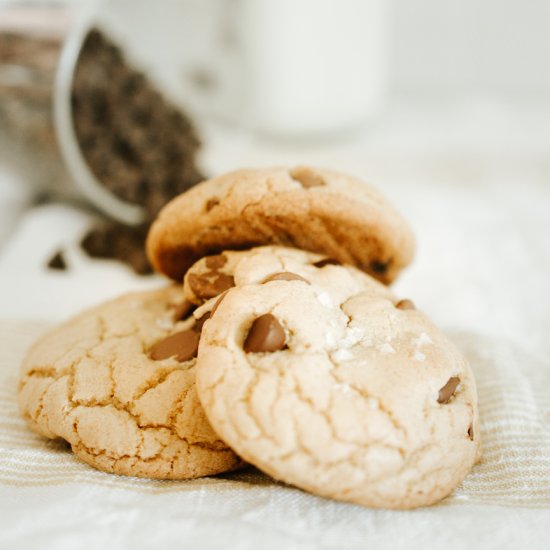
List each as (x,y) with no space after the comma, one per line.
(213,275)
(118,383)
(318,210)
(359,399)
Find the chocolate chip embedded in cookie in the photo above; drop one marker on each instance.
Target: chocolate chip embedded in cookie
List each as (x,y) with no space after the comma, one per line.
(448,390)
(210,284)
(322,211)
(215,262)
(405,304)
(211,281)
(182,346)
(118,383)
(347,398)
(183,310)
(266,334)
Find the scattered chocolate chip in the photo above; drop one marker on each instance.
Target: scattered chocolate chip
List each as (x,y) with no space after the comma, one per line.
(218,302)
(448,390)
(182,345)
(326,261)
(471,432)
(183,311)
(209,285)
(307,178)
(115,241)
(378,267)
(405,304)
(146,153)
(197,327)
(265,334)
(211,203)
(137,260)
(286,276)
(138,144)
(57,261)
(215,262)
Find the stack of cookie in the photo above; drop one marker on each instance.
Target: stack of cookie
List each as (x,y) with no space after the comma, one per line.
(284,349)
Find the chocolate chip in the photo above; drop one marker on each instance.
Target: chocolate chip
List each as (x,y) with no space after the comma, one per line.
(448,390)
(471,432)
(378,267)
(183,310)
(209,285)
(146,153)
(223,282)
(197,327)
(286,276)
(265,334)
(215,262)
(405,304)
(57,261)
(182,345)
(114,241)
(326,261)
(138,261)
(307,178)
(211,203)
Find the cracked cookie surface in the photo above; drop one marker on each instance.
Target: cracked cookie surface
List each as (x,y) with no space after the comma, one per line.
(92,381)
(308,208)
(363,401)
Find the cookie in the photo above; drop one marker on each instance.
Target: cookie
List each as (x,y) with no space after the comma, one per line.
(213,275)
(118,383)
(317,210)
(362,401)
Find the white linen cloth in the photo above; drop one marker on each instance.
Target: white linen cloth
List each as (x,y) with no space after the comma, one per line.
(49,499)
(482,273)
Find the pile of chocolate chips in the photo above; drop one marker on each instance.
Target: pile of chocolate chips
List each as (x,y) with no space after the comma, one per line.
(138,145)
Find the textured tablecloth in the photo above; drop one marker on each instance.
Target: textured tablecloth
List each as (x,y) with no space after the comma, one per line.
(482,273)
(49,499)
